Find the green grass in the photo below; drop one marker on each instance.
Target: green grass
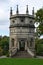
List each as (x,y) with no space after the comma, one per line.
(22,61)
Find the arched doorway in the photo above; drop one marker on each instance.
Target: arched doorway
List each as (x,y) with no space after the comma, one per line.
(22,45)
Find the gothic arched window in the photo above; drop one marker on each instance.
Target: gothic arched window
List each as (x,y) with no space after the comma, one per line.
(12,42)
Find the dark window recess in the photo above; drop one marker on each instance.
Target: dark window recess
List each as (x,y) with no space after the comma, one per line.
(12,42)
(27,44)
(13,21)
(30,21)
(31,42)
(22,20)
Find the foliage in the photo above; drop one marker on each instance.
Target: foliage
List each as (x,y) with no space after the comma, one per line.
(4,44)
(39,46)
(39,15)
(1,51)
(40,49)
(7,54)
(39,19)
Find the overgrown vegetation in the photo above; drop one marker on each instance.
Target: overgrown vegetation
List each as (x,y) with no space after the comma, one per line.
(4,45)
(39,46)
(39,32)
(39,19)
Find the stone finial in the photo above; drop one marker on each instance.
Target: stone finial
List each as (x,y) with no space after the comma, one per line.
(33,11)
(17,10)
(27,10)
(11,11)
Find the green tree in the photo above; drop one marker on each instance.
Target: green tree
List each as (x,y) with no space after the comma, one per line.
(4,44)
(39,19)
(39,46)
(1,51)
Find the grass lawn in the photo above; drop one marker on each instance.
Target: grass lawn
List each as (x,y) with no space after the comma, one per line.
(21,61)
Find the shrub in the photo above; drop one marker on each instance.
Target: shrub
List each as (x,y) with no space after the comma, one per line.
(7,54)
(39,47)
(1,51)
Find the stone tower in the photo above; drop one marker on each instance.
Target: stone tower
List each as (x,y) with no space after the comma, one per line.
(22,32)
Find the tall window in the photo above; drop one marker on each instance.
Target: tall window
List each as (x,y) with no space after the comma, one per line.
(30,30)
(27,44)
(12,42)
(31,42)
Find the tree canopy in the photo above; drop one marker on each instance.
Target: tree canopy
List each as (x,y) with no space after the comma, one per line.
(4,44)
(39,19)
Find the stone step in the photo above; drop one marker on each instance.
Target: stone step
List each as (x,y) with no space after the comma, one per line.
(22,54)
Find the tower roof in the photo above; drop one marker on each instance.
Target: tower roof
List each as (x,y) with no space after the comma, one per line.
(22,15)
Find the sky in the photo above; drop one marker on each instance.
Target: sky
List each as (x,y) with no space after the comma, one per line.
(5,11)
